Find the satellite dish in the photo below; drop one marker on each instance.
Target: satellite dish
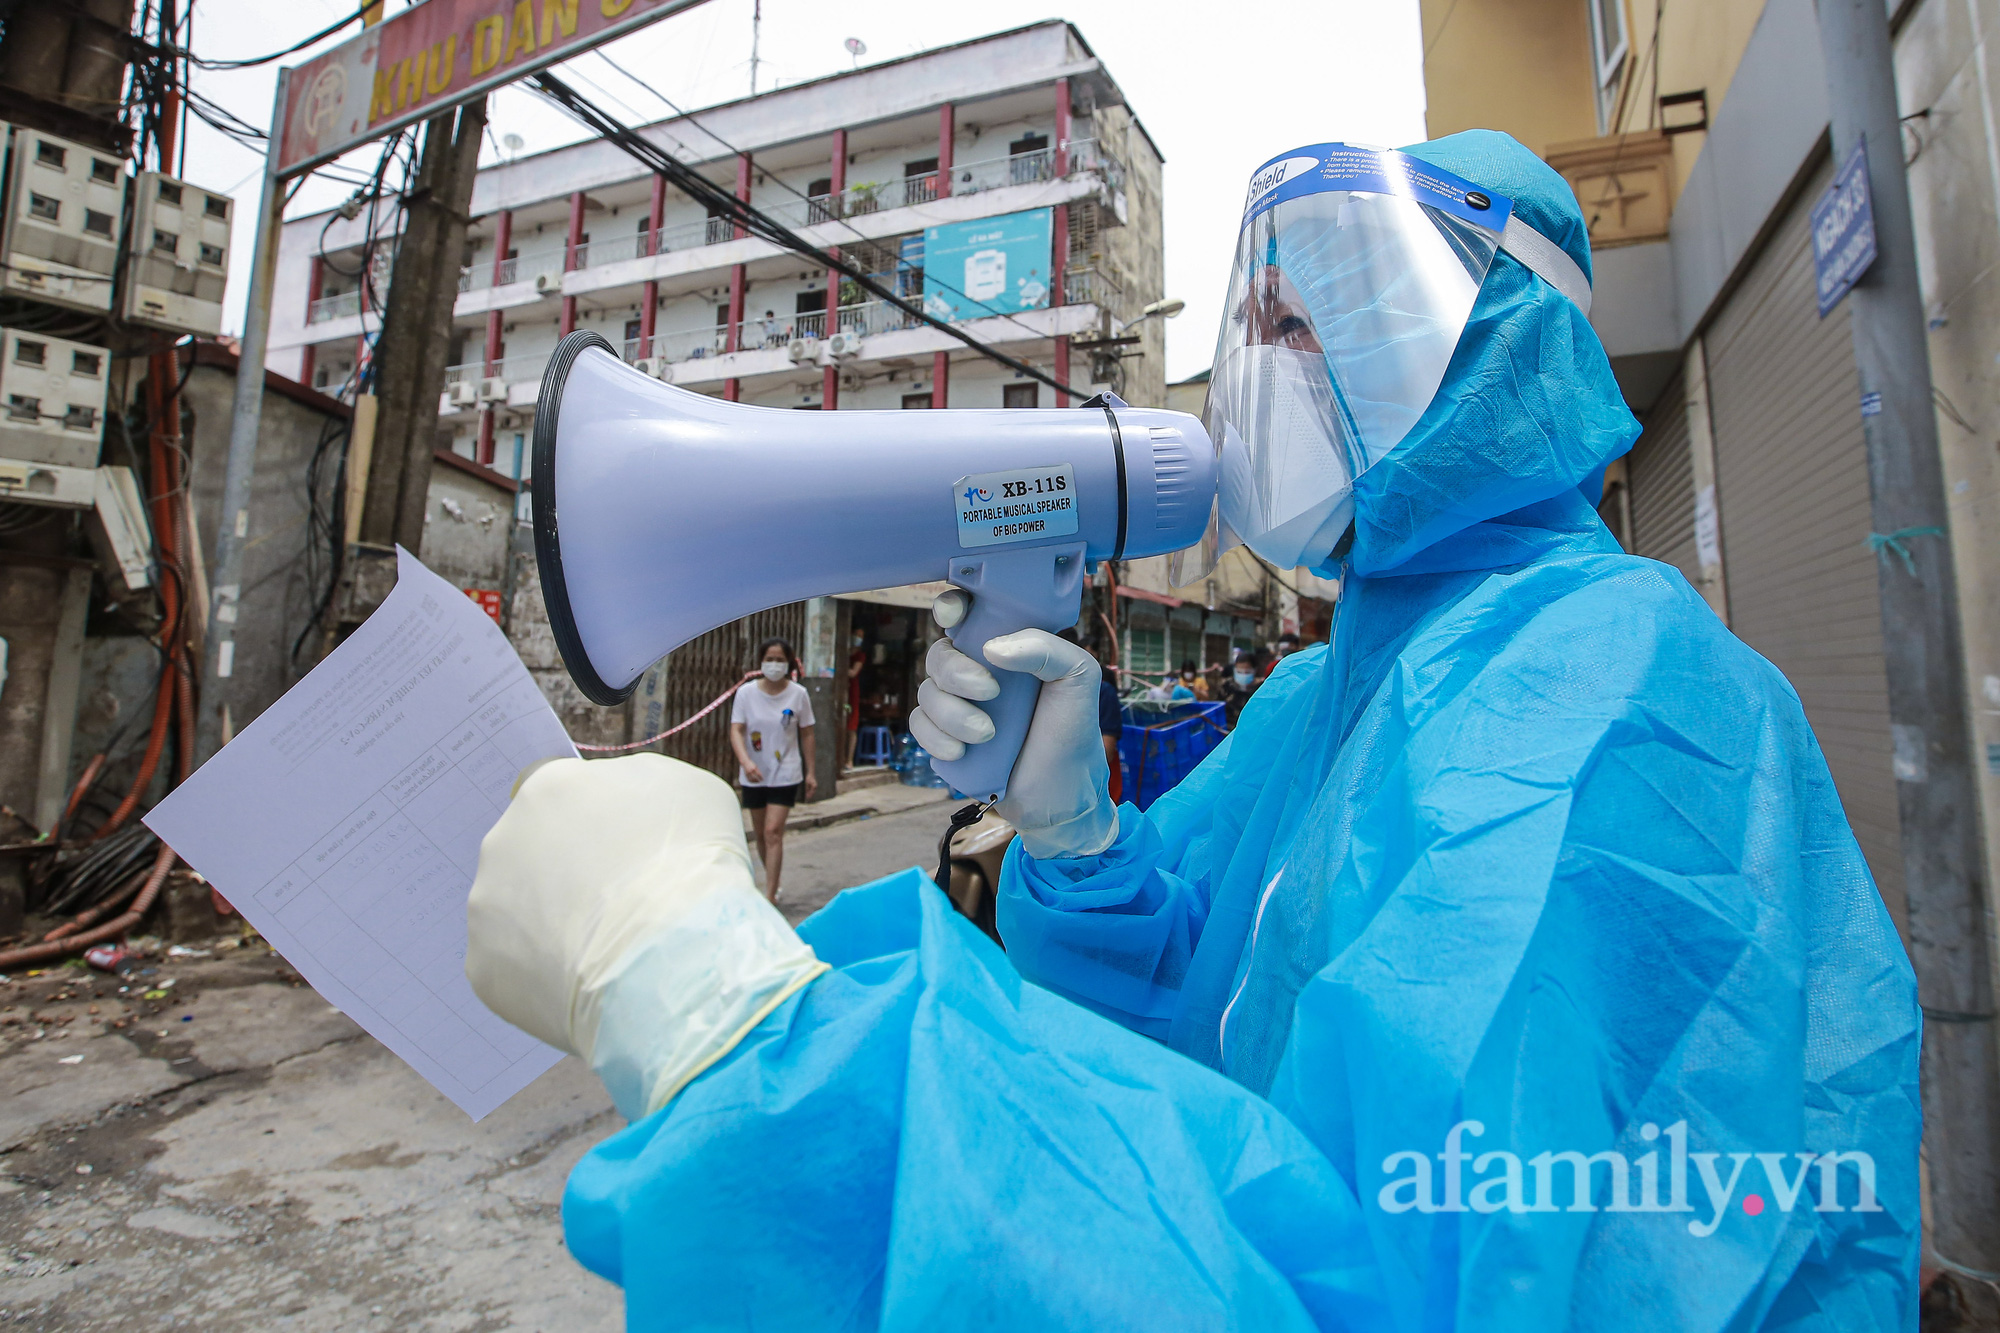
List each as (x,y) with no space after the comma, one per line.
(513,143)
(856,47)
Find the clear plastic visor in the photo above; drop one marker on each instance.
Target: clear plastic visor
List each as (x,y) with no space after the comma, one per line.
(1343,311)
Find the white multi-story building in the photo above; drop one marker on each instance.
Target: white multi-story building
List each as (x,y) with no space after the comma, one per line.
(1026,125)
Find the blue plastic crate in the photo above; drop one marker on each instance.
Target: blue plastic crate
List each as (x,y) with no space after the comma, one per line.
(1157,750)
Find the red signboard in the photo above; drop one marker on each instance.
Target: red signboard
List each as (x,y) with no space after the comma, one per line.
(435,55)
(488,599)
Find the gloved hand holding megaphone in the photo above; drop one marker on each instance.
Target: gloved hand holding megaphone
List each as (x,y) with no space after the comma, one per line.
(1059,795)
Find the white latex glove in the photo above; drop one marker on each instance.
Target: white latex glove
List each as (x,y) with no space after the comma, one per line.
(615,917)
(1059,796)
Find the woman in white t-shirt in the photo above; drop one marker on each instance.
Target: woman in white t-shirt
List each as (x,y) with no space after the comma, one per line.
(771,730)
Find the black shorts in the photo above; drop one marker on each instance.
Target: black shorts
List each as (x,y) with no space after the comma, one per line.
(756,798)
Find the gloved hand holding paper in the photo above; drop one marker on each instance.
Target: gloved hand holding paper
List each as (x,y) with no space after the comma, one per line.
(345,824)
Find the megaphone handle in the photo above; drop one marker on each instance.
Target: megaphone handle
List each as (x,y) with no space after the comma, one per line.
(1040,588)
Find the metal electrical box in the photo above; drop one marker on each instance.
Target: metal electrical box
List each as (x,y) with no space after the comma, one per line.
(51,399)
(64,202)
(178,259)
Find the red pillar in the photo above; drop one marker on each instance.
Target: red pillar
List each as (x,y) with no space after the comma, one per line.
(941,361)
(503,238)
(1059,259)
(314,276)
(732,389)
(655,217)
(569,259)
(830,377)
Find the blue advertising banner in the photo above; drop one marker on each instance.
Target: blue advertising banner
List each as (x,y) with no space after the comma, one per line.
(995,266)
(1843,230)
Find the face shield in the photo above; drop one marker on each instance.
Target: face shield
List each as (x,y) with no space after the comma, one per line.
(1355,272)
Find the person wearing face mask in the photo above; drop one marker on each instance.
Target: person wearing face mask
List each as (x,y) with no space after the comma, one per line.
(1240,685)
(771,730)
(1534,870)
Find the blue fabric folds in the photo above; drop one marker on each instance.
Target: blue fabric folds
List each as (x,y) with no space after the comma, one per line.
(1510,967)
(920,1140)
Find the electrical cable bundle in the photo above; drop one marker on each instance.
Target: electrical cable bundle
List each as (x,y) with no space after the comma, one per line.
(93,874)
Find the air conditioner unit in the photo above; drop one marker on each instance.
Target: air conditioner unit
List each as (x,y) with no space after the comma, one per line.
(64,203)
(548,284)
(177,258)
(51,398)
(656,366)
(844,346)
(803,351)
(463,393)
(493,389)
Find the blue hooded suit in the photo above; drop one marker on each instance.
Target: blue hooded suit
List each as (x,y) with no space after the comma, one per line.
(1511,966)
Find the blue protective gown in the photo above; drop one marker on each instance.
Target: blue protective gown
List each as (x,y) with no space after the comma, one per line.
(1537,868)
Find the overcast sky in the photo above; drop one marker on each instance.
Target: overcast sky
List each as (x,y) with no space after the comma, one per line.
(1221,88)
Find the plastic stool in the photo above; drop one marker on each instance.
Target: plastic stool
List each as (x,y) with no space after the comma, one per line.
(873,747)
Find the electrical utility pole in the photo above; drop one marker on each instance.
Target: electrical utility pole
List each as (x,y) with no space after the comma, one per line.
(1936,789)
(415,344)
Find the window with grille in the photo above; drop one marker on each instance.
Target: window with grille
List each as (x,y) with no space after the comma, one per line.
(1020,395)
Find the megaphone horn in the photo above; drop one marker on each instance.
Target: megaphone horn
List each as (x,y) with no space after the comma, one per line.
(661,514)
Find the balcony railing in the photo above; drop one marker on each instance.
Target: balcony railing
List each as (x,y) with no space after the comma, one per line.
(478,275)
(334,307)
(856,200)
(866,318)
(1089,286)
(512,369)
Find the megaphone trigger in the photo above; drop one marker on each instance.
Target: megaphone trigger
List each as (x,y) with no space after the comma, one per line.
(949,608)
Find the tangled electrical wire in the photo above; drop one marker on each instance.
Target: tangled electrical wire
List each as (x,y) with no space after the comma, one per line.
(85,877)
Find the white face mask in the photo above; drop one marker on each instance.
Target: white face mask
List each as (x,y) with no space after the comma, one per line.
(1244,678)
(776,670)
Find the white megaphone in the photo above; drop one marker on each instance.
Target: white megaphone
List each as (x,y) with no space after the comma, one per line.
(661,514)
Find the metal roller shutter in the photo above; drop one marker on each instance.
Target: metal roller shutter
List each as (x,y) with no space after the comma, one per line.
(1792,482)
(698,671)
(1662,480)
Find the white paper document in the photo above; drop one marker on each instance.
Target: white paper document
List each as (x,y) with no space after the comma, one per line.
(345,825)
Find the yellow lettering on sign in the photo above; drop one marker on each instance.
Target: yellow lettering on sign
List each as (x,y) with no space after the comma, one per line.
(487,34)
(410,80)
(558,13)
(384,100)
(521,31)
(613,8)
(444,62)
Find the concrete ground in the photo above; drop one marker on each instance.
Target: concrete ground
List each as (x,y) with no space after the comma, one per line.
(217,1149)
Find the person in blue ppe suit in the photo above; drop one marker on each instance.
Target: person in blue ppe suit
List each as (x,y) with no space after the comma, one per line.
(1510,966)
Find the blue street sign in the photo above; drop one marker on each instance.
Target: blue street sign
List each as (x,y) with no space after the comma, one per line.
(1843,230)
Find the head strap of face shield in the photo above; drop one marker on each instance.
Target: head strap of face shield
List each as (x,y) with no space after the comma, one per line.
(1547,261)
